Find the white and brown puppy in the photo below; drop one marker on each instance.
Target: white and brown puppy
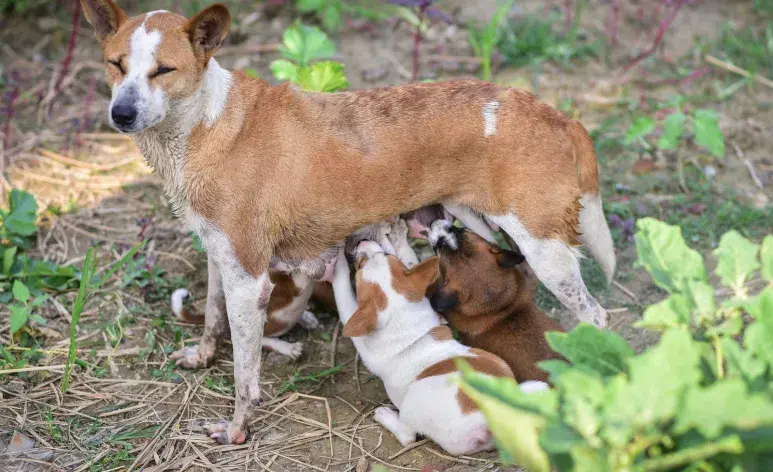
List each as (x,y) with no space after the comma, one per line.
(399,338)
(274,174)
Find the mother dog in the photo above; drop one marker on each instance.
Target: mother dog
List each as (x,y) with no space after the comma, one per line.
(266,173)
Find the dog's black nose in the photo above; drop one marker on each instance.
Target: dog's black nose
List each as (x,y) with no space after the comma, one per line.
(124,115)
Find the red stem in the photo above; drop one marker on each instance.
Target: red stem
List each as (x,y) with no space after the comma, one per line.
(416,43)
(664,24)
(76,16)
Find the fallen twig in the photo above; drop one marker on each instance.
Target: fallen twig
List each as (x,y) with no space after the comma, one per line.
(737,70)
(625,290)
(748,165)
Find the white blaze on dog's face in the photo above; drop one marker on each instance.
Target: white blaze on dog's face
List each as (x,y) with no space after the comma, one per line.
(154,60)
(382,280)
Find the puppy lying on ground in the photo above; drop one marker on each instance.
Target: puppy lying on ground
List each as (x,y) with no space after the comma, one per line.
(400,339)
(286,308)
(484,296)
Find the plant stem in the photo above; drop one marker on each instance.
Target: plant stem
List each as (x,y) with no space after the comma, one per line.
(80,301)
(719,357)
(416,43)
(730,444)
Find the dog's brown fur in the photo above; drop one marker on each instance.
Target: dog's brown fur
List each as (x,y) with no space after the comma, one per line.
(491,306)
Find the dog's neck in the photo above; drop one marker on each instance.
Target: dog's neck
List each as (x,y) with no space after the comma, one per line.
(165,145)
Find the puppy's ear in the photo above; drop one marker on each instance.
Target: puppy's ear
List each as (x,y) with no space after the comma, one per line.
(363,322)
(424,274)
(104,15)
(508,259)
(208,29)
(443,302)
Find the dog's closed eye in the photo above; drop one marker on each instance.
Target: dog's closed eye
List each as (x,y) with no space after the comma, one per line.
(117,64)
(161,71)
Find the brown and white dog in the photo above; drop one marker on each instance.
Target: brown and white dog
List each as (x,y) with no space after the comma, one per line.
(273,174)
(482,294)
(399,338)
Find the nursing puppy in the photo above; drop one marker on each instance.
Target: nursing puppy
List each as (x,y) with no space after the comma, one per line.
(399,338)
(286,308)
(277,176)
(483,295)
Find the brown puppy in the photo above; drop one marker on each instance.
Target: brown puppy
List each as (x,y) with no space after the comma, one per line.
(484,296)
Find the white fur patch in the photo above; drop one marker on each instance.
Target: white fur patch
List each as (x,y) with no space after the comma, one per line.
(217,83)
(178,298)
(439,229)
(595,235)
(490,118)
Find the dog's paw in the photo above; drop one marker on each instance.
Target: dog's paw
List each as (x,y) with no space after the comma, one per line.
(385,415)
(294,351)
(225,433)
(191,357)
(309,321)
(399,230)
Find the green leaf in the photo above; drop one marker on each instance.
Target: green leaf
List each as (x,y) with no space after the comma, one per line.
(251,72)
(761,306)
(516,431)
(766,257)
(702,298)
(506,390)
(331,17)
(736,260)
(23,213)
(673,129)
(8,258)
(285,70)
(20,291)
(303,44)
(308,6)
(19,316)
(641,127)
(707,132)
(587,459)
(38,319)
(326,76)
(725,404)
(741,363)
(758,337)
(602,351)
(673,312)
(558,438)
(665,255)
(657,379)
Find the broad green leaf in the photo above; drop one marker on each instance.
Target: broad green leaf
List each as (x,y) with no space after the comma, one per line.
(722,405)
(516,431)
(758,337)
(20,291)
(602,351)
(707,132)
(673,312)
(308,6)
(285,70)
(701,297)
(558,438)
(665,255)
(331,17)
(736,259)
(640,128)
(38,319)
(729,327)
(326,76)
(303,44)
(587,459)
(506,390)
(580,414)
(672,132)
(658,377)
(766,257)
(761,306)
(19,316)
(741,363)
(587,385)
(22,215)
(9,256)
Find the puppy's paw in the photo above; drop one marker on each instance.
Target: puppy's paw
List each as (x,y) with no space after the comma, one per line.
(399,230)
(192,357)
(225,433)
(309,321)
(385,415)
(294,351)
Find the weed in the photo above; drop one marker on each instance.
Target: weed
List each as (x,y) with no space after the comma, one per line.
(220,384)
(296,380)
(416,13)
(748,48)
(484,40)
(333,13)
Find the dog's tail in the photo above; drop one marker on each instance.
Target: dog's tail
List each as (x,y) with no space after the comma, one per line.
(594,231)
(178,307)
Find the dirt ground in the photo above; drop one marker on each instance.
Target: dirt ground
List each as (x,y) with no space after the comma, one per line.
(129,408)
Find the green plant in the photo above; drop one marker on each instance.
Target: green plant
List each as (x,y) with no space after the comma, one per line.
(699,400)
(301,46)
(749,48)
(88,285)
(485,39)
(704,125)
(331,13)
(21,310)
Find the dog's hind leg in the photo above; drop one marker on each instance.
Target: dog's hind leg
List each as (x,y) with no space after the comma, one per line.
(215,324)
(472,221)
(389,419)
(557,265)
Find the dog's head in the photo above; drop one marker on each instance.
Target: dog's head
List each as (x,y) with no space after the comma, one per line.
(155,60)
(475,276)
(381,280)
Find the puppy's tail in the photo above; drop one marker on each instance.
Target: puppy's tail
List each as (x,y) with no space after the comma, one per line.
(178,307)
(594,231)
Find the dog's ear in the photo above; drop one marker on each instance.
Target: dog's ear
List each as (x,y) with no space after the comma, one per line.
(104,15)
(508,259)
(208,29)
(363,322)
(424,274)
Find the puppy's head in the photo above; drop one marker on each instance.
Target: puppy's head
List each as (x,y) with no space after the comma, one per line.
(155,60)
(381,280)
(475,276)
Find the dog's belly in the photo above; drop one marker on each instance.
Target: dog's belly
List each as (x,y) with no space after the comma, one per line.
(314,268)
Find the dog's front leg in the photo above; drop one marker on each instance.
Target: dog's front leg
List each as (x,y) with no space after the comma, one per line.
(215,324)
(244,293)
